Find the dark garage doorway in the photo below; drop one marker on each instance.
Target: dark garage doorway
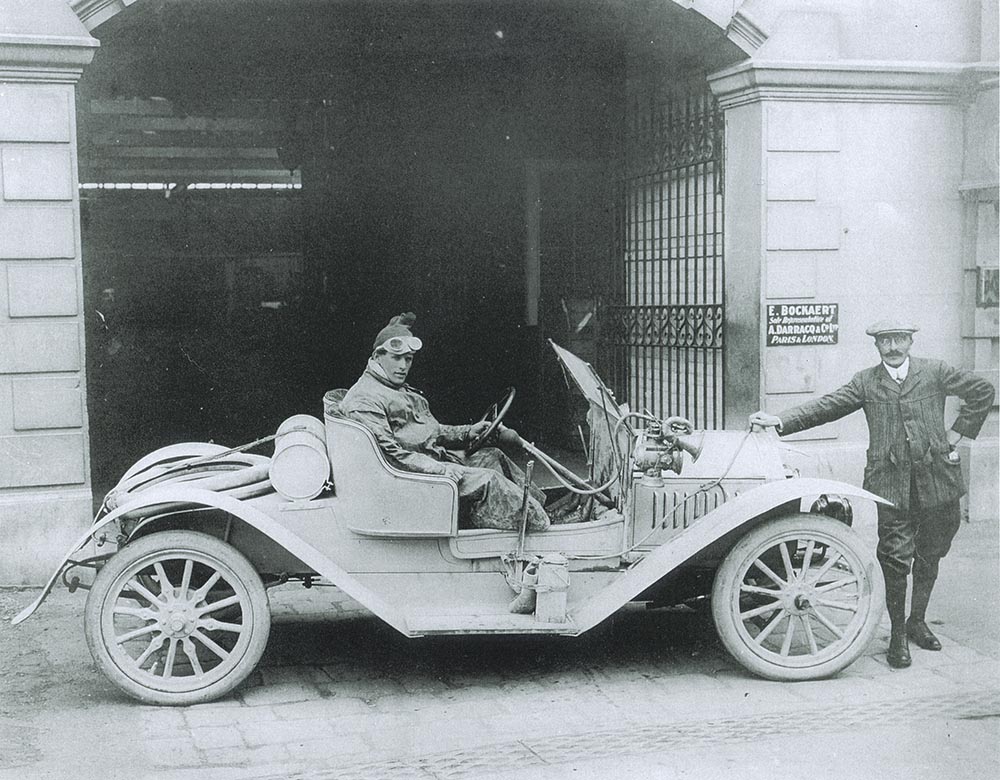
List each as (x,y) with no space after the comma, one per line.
(264,189)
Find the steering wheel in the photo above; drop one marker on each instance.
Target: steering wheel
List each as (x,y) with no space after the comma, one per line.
(494,414)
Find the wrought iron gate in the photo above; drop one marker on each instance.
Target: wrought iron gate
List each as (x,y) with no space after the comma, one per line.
(662,329)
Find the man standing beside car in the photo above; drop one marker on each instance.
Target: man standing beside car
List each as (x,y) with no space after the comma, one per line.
(912,462)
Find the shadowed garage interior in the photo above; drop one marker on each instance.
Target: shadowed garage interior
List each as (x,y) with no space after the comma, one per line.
(262,187)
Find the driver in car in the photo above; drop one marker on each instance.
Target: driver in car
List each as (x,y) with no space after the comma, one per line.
(490,485)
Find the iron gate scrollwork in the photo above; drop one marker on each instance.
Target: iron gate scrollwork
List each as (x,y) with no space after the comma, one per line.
(662,330)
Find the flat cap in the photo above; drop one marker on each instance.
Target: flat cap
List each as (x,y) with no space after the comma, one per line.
(891,326)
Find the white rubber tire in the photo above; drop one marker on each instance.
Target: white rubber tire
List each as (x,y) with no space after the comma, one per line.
(842,592)
(179,620)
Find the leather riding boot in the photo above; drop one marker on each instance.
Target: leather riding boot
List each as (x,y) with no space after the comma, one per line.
(895,604)
(916,628)
(524,602)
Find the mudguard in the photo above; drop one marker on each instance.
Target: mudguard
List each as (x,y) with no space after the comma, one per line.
(309,555)
(701,534)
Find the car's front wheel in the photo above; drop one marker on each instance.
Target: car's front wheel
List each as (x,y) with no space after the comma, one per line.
(798,598)
(177,617)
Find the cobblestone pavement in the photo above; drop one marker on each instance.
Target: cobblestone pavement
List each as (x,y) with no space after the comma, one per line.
(341,695)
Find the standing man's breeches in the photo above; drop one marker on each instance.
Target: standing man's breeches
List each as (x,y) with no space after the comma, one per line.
(921,535)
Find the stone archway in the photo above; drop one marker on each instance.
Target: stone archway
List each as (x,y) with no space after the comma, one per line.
(739,24)
(45,494)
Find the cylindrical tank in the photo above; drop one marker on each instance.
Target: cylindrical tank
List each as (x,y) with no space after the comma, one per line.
(300,466)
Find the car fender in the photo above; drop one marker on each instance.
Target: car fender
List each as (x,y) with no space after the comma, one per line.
(309,555)
(706,530)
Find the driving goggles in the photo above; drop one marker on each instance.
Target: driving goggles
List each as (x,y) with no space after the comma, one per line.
(398,345)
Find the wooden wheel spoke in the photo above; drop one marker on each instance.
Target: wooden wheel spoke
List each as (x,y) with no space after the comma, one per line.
(186,576)
(144,613)
(154,644)
(831,561)
(217,625)
(766,631)
(220,604)
(846,606)
(786,643)
(786,560)
(143,591)
(810,636)
(189,650)
(807,559)
(210,644)
(826,622)
(202,592)
(162,578)
(135,633)
(767,570)
(826,587)
(168,664)
(756,589)
(763,610)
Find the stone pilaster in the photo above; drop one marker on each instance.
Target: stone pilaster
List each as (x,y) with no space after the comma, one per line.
(843,186)
(45,499)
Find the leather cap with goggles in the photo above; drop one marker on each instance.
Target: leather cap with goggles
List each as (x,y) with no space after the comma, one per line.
(400,345)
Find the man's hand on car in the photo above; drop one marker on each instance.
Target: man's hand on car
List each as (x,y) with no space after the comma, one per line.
(765,420)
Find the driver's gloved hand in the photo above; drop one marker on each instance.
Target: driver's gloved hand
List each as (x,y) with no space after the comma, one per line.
(508,436)
(477,429)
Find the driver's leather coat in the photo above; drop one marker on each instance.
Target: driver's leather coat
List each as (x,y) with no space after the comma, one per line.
(491,487)
(404,427)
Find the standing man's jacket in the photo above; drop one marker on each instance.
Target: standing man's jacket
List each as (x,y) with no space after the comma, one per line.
(907,437)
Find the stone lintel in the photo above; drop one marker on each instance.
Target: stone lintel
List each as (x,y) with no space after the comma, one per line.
(850,81)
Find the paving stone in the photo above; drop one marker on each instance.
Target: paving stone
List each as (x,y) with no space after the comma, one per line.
(866,666)
(207,716)
(915,681)
(331,708)
(841,690)
(341,746)
(985,672)
(163,718)
(367,690)
(950,653)
(280,694)
(758,692)
(258,756)
(173,752)
(284,732)
(210,737)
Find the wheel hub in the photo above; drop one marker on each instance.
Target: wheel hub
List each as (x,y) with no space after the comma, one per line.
(178,623)
(799,600)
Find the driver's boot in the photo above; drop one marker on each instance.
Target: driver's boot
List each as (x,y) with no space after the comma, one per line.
(524,602)
(895,604)
(924,576)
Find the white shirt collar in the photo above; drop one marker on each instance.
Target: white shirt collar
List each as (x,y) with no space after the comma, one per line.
(899,374)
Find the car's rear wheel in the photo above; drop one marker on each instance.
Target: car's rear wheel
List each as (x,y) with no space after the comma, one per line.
(798,598)
(177,617)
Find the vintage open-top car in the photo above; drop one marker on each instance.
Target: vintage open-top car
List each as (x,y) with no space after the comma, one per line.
(178,612)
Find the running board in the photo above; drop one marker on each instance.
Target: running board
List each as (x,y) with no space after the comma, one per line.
(437,624)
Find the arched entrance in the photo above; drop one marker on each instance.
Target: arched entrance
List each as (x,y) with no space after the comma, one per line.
(557,73)
(398,145)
